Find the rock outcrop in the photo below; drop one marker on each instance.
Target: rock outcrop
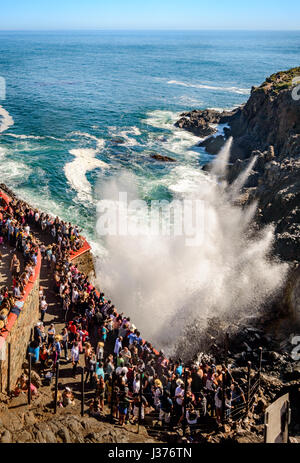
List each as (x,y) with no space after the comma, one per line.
(267,126)
(159,157)
(199,122)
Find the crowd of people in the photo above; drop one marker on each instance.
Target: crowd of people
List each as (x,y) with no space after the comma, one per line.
(127,375)
(15,232)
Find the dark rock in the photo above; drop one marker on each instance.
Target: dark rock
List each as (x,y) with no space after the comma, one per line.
(213,144)
(118,141)
(161,158)
(199,122)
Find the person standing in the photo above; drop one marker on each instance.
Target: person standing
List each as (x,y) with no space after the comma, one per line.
(75,357)
(44,306)
(65,341)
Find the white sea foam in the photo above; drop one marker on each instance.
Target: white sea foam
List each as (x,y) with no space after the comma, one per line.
(127,135)
(12,172)
(174,140)
(34,137)
(99,141)
(6,120)
(242,91)
(187,100)
(75,171)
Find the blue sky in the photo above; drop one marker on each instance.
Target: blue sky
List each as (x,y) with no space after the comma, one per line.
(149,14)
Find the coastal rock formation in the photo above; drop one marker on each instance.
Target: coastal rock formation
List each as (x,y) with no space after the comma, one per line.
(199,122)
(267,126)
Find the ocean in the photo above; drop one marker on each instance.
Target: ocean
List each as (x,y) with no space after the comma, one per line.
(83,107)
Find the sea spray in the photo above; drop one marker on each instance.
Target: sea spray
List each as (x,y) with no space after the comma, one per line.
(6,120)
(165,285)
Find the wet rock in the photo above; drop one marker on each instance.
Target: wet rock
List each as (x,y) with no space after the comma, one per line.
(213,144)
(199,122)
(161,158)
(118,141)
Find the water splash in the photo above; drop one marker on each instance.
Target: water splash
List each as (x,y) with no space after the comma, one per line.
(165,285)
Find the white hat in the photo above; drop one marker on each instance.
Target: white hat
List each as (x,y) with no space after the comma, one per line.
(179,382)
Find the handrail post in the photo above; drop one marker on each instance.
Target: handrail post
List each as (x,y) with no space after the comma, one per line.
(56,386)
(140,401)
(223,397)
(29,379)
(82,391)
(260,364)
(248,387)
(112,397)
(184,403)
(226,348)
(8,366)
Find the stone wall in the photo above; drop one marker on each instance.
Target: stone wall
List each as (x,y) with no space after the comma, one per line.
(18,339)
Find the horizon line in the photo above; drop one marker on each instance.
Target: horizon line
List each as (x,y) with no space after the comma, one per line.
(108,29)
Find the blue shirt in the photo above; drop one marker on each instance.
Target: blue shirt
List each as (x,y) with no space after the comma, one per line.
(179,370)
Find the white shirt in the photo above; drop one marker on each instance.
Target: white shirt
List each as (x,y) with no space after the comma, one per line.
(179,392)
(75,353)
(118,346)
(43,304)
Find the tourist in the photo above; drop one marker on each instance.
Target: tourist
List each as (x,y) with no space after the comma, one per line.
(67,397)
(51,334)
(166,407)
(65,342)
(43,307)
(123,405)
(75,358)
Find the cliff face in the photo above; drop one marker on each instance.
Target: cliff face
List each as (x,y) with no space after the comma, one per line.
(267,126)
(270,117)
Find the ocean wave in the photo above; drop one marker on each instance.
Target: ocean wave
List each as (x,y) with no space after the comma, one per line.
(75,171)
(35,137)
(175,140)
(241,91)
(12,172)
(99,141)
(127,135)
(6,120)
(187,100)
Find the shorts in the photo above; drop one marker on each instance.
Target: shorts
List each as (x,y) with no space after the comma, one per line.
(164,416)
(136,412)
(122,410)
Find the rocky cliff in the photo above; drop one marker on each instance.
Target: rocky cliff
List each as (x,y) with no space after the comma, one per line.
(267,126)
